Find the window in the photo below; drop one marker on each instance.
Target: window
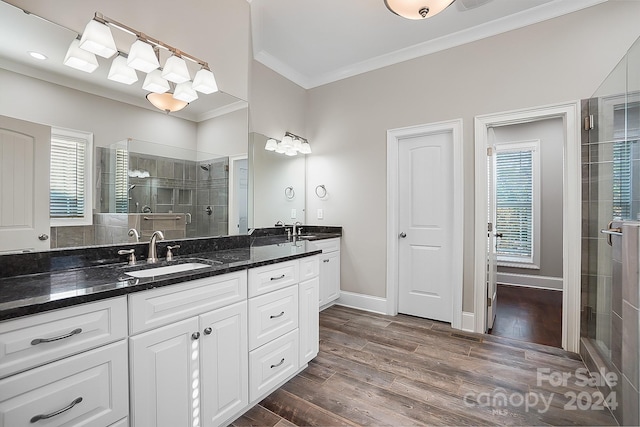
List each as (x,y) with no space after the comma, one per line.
(70,195)
(517,188)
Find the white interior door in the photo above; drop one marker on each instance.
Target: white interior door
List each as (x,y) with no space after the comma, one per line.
(492,233)
(24,185)
(425,222)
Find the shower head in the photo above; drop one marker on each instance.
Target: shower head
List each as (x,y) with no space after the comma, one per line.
(205,166)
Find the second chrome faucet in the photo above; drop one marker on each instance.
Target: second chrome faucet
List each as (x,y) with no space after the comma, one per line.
(153,251)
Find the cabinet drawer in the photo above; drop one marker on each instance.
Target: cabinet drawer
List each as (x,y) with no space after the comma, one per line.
(327,245)
(271,364)
(31,341)
(162,306)
(89,389)
(309,267)
(272,315)
(272,277)
(122,423)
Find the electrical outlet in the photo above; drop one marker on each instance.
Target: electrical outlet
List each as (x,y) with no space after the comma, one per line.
(294,214)
(320,214)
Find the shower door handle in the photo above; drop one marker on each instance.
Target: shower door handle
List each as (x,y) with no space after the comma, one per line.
(611,231)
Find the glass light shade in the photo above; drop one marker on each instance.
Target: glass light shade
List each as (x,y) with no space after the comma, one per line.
(280,149)
(80,59)
(97,38)
(271,144)
(185,92)
(287,142)
(205,82)
(166,102)
(155,83)
(297,144)
(121,72)
(175,70)
(305,148)
(142,57)
(291,152)
(417,9)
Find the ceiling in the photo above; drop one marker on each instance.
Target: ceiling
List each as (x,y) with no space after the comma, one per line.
(314,42)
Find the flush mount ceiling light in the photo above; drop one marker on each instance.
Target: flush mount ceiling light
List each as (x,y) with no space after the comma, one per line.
(166,102)
(417,9)
(144,55)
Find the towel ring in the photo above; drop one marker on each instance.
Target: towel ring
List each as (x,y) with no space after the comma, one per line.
(289,193)
(321,191)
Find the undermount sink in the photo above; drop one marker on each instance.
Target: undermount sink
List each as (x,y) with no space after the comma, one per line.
(169,269)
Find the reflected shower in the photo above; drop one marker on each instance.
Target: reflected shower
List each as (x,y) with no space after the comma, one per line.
(205,166)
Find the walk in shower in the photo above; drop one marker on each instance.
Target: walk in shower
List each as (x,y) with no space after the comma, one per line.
(611,223)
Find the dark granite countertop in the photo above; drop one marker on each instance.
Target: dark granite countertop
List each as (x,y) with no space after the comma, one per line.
(26,294)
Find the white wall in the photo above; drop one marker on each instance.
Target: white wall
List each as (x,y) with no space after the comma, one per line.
(225,135)
(554,61)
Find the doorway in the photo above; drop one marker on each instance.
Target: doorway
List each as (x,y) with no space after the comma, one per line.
(425,221)
(485,265)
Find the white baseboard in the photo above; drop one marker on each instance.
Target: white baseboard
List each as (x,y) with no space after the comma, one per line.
(468,321)
(530,281)
(363,302)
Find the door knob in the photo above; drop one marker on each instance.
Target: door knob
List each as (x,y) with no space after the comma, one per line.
(498,235)
(403,235)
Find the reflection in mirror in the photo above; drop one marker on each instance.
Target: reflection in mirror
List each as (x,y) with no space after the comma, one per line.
(277,185)
(212,130)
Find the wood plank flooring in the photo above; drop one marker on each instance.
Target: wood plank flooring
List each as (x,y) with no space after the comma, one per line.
(529,314)
(404,371)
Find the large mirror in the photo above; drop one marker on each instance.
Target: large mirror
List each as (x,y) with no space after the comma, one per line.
(190,165)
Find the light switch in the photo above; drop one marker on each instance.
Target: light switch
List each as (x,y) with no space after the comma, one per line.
(320,214)
(294,214)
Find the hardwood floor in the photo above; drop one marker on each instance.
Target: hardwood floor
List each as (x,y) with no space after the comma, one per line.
(404,371)
(529,314)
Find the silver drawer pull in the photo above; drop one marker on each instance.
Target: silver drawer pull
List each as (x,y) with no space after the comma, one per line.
(278,278)
(275,366)
(58,412)
(276,316)
(326,260)
(61,337)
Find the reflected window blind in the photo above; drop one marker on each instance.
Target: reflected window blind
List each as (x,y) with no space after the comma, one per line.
(67,192)
(122,182)
(514,203)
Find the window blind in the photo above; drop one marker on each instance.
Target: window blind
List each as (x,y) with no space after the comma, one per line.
(67,193)
(514,204)
(122,182)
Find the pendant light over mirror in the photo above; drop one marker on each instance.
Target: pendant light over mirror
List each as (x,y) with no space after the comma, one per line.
(417,9)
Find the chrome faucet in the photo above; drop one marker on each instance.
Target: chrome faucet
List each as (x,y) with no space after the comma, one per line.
(297,228)
(153,252)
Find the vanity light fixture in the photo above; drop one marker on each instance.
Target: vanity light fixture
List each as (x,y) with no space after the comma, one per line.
(144,55)
(80,59)
(417,9)
(121,72)
(290,145)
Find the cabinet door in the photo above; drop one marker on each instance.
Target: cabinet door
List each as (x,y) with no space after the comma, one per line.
(165,375)
(329,277)
(308,324)
(224,361)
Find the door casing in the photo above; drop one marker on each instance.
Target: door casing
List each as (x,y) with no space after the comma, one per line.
(571,219)
(394,136)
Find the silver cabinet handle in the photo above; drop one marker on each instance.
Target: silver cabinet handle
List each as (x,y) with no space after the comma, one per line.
(195,335)
(403,235)
(275,366)
(207,331)
(326,260)
(278,278)
(43,236)
(61,337)
(276,316)
(58,412)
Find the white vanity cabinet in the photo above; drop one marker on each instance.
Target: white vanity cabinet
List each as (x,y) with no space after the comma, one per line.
(329,270)
(193,370)
(65,367)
